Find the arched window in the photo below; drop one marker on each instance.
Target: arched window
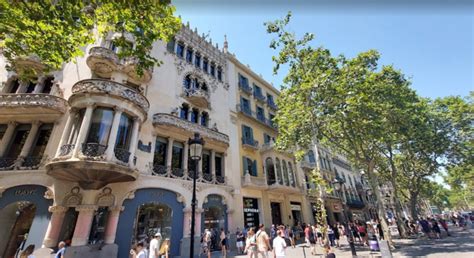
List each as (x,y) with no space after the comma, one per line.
(285,173)
(292,175)
(187,82)
(205,119)
(278,171)
(183,112)
(153,218)
(270,169)
(311,157)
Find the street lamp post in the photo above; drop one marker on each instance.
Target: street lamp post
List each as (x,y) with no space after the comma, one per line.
(195,150)
(338,187)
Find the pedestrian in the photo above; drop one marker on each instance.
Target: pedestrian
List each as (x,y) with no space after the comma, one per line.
(155,246)
(425,227)
(251,244)
(331,235)
(436,229)
(329,252)
(319,234)
(444,225)
(279,245)
(312,239)
(362,233)
(291,235)
(61,250)
(138,251)
(240,241)
(336,235)
(223,243)
(273,232)
(206,243)
(165,249)
(263,241)
(28,252)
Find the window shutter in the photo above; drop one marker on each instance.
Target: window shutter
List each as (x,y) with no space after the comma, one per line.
(244,164)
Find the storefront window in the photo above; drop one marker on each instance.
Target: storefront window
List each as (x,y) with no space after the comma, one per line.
(17,218)
(153,218)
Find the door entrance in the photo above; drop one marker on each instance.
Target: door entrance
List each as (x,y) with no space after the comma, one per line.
(214,221)
(276,213)
(16,220)
(69,224)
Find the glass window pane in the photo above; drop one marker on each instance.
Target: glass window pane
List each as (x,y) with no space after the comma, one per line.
(161,146)
(177,157)
(124,132)
(101,123)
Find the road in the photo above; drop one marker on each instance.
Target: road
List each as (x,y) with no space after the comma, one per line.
(459,245)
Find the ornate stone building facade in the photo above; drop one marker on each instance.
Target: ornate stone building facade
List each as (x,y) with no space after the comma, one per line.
(95,149)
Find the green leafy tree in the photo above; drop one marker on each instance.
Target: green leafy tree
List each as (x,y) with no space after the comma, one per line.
(351,105)
(56,32)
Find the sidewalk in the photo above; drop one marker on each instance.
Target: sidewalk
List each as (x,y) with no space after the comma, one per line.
(459,245)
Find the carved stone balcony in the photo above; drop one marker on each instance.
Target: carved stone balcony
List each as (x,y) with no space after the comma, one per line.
(91,168)
(102,61)
(280,188)
(129,67)
(252,182)
(32,104)
(197,97)
(249,143)
(105,90)
(307,165)
(28,63)
(188,175)
(183,129)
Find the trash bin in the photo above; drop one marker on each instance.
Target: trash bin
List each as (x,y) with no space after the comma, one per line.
(374,244)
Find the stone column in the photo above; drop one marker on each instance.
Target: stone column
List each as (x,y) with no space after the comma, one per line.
(230,221)
(7,137)
(83,224)
(67,130)
(199,118)
(187,222)
(23,86)
(213,163)
(185,156)
(190,111)
(86,121)
(277,179)
(25,150)
(54,227)
(169,153)
(134,141)
(112,222)
(197,226)
(109,153)
(39,85)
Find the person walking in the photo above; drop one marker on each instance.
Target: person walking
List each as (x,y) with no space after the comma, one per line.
(223,243)
(279,245)
(331,235)
(61,250)
(251,244)
(165,249)
(28,252)
(263,242)
(337,235)
(155,246)
(239,235)
(138,251)
(206,243)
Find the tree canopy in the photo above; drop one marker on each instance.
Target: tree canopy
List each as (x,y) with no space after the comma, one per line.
(56,32)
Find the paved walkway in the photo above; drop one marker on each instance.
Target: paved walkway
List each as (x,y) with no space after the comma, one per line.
(459,245)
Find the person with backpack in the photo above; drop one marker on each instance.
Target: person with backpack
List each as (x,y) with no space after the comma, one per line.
(251,244)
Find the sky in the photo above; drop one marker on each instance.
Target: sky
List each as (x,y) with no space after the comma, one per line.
(431,42)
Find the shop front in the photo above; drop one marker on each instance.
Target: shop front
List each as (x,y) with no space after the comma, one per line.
(215,218)
(251,212)
(24,217)
(335,211)
(151,211)
(296,213)
(276,213)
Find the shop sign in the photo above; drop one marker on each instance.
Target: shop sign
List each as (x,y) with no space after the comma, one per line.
(25,192)
(337,207)
(251,210)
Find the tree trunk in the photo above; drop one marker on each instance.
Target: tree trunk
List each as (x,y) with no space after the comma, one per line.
(380,208)
(402,228)
(413,209)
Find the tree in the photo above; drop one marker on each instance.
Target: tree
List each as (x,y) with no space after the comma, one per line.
(351,105)
(56,32)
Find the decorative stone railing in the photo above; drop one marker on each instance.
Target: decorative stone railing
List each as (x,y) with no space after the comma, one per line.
(249,143)
(104,53)
(23,100)
(22,163)
(178,173)
(252,181)
(307,165)
(112,88)
(171,120)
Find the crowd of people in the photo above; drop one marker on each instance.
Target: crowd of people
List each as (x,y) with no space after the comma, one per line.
(157,248)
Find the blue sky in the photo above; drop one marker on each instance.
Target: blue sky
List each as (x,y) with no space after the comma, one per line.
(431,43)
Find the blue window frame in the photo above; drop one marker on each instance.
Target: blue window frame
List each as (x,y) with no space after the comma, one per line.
(180,49)
(205,65)
(189,55)
(197,60)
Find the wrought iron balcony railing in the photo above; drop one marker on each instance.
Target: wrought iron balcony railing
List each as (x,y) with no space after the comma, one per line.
(188,175)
